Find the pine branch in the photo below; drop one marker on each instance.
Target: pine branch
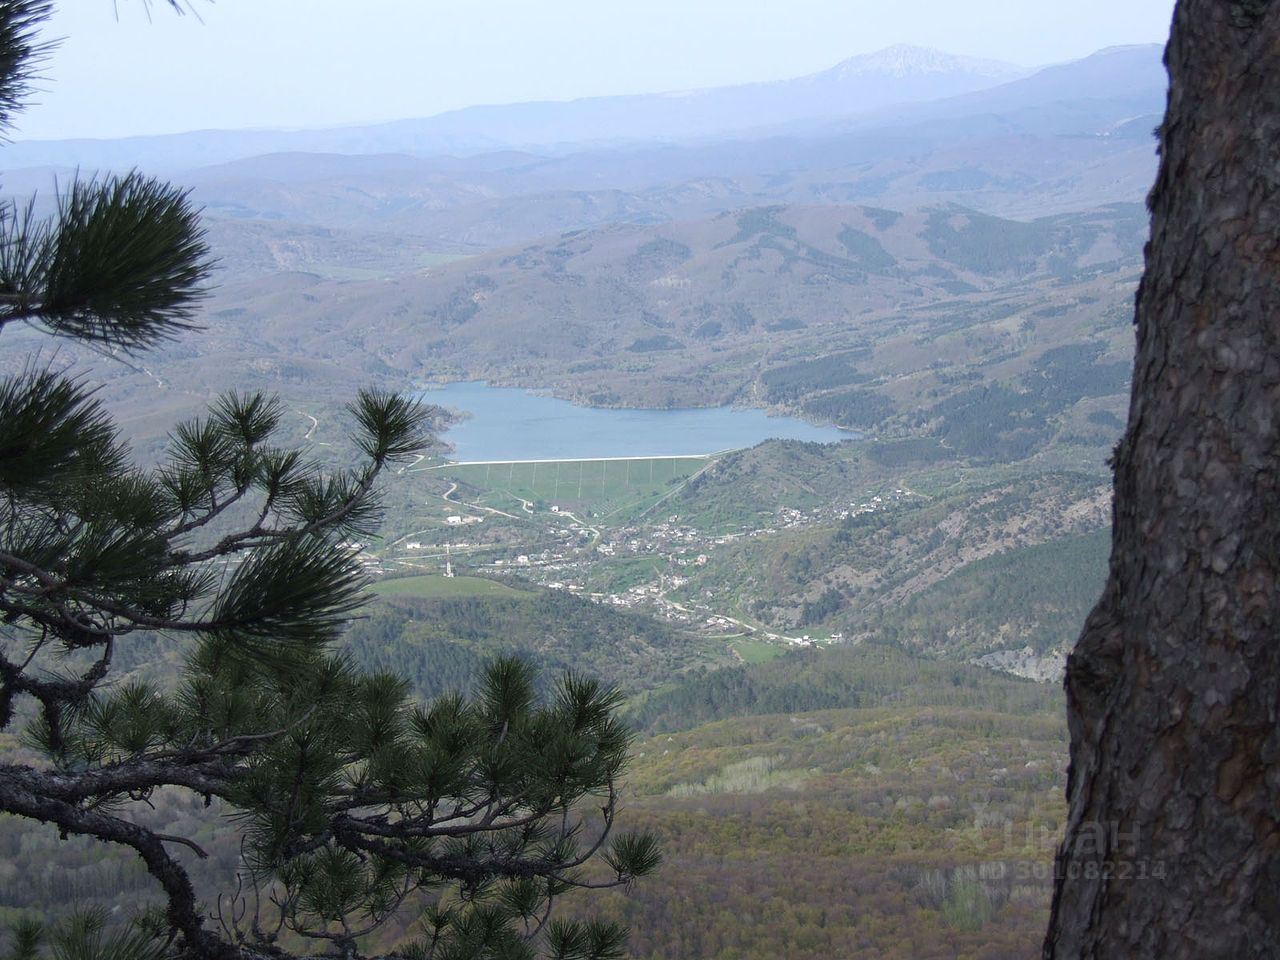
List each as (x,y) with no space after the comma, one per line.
(16,796)
(353,798)
(21,54)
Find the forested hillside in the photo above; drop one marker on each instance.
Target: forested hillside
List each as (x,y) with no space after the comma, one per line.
(855,802)
(442,645)
(841,313)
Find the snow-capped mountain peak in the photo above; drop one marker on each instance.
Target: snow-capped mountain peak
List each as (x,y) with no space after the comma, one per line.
(904,60)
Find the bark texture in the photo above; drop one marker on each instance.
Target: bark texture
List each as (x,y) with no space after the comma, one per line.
(1173,842)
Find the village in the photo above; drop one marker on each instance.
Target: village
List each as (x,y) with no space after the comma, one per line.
(641,565)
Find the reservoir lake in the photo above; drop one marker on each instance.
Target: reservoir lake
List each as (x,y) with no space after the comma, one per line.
(507,423)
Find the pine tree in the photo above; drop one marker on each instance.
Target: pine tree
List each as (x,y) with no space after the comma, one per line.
(354,801)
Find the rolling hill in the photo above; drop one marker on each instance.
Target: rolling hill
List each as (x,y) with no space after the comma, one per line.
(810,309)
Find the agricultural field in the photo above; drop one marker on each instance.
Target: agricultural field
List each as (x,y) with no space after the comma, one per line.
(750,650)
(602,489)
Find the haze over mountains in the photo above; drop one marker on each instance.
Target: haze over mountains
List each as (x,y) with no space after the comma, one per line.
(314,236)
(1066,138)
(860,87)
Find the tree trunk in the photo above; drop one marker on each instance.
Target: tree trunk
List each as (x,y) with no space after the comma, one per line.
(1173,846)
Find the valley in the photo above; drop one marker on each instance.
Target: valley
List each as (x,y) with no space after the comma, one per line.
(794,428)
(696,549)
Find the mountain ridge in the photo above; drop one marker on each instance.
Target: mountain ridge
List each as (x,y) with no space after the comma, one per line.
(856,86)
(903,59)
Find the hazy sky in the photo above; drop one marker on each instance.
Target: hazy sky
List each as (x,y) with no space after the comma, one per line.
(305,63)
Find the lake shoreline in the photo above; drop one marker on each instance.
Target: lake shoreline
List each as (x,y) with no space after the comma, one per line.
(510,424)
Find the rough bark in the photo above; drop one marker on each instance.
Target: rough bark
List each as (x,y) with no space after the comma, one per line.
(1173,846)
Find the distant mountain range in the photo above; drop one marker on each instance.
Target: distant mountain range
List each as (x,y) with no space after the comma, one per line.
(896,75)
(621,273)
(1066,138)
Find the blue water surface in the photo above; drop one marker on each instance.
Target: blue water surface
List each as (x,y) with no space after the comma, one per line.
(507,423)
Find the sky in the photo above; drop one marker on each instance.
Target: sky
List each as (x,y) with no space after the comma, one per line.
(124,70)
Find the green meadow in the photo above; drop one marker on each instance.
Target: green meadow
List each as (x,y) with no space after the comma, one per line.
(602,487)
(751,650)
